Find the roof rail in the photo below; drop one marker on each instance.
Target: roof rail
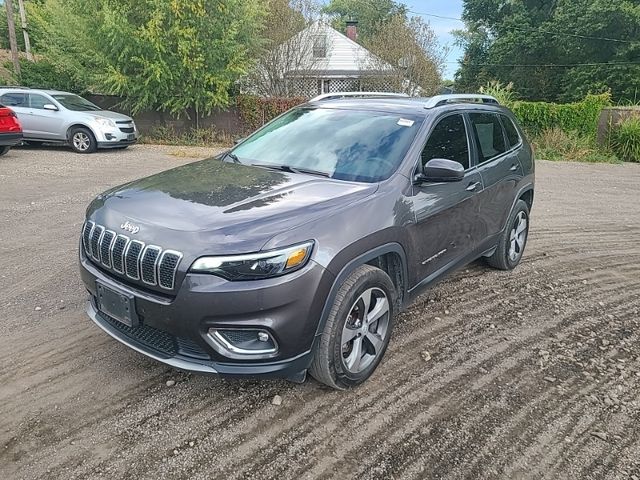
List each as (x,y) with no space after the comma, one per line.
(336,95)
(438,100)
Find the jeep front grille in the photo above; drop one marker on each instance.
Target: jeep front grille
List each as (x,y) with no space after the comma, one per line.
(132,258)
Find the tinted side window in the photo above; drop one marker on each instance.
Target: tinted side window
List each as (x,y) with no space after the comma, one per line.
(512,132)
(37,101)
(448,140)
(14,99)
(488,132)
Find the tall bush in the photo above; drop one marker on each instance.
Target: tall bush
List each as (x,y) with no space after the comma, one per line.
(256,111)
(625,139)
(580,117)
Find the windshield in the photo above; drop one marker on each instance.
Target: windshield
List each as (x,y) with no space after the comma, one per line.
(349,145)
(76,103)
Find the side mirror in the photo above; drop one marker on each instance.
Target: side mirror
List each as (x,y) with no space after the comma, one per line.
(50,106)
(441,170)
(238,140)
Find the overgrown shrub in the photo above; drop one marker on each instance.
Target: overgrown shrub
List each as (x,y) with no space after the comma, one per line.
(556,144)
(504,93)
(195,137)
(580,117)
(256,111)
(625,139)
(44,74)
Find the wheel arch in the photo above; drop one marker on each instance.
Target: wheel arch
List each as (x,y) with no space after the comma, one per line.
(79,125)
(525,193)
(390,257)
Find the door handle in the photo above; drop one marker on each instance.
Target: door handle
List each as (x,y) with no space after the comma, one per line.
(473,186)
(514,167)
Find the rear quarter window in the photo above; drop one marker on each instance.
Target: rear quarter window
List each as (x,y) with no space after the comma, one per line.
(489,135)
(512,132)
(14,99)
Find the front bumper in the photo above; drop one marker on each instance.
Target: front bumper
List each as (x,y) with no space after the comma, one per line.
(174,330)
(113,137)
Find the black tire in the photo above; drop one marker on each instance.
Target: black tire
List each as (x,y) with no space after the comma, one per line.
(82,140)
(4,150)
(328,365)
(501,258)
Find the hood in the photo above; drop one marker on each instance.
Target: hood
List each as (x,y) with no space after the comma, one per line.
(109,114)
(213,207)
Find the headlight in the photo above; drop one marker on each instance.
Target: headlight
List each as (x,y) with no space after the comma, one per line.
(105,122)
(256,266)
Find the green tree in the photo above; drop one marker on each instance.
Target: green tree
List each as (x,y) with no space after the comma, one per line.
(370,14)
(530,42)
(178,54)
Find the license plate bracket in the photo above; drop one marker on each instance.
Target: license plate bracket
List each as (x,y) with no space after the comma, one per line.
(118,305)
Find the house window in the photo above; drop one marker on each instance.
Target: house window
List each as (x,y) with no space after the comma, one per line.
(319,46)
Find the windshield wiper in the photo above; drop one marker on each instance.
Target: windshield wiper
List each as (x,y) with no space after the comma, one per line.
(290,169)
(232,156)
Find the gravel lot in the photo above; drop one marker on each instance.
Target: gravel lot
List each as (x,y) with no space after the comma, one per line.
(528,374)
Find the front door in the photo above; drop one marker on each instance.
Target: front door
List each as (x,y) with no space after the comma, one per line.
(44,124)
(446,230)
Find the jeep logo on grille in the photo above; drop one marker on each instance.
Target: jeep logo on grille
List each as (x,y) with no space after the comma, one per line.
(130,227)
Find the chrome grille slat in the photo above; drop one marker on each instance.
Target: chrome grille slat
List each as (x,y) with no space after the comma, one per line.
(86,237)
(167,268)
(117,253)
(96,236)
(106,244)
(149,264)
(132,259)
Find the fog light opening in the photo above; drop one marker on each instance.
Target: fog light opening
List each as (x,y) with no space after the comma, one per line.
(242,342)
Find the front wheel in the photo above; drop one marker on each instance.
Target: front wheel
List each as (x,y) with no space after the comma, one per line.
(357,331)
(513,240)
(83,141)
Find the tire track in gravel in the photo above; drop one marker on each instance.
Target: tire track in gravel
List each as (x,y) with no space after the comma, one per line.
(479,409)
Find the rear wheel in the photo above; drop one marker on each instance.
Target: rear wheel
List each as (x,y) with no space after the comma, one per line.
(82,140)
(513,240)
(4,150)
(357,331)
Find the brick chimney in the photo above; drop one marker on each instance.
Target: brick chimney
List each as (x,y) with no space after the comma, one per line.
(352,30)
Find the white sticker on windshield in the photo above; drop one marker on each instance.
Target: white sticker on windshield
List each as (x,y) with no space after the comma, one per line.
(405,122)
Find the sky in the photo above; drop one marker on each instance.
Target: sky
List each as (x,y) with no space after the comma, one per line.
(442,27)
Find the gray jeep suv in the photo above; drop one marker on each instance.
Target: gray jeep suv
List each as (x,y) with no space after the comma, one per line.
(294,251)
(51,116)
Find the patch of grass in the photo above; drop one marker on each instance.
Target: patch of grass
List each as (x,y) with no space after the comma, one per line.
(201,137)
(625,139)
(556,144)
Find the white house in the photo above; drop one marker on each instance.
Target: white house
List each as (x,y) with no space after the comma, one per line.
(319,59)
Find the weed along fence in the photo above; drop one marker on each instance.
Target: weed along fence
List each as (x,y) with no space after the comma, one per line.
(612,116)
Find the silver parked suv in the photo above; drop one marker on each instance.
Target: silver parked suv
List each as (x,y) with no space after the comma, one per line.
(54,116)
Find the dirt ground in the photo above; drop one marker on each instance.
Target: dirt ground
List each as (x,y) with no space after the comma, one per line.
(533,373)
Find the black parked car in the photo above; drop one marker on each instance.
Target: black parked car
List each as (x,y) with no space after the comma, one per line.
(295,250)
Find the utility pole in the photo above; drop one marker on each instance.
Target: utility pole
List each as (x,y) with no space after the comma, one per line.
(12,37)
(25,32)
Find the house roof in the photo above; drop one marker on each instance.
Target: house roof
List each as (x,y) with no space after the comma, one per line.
(344,56)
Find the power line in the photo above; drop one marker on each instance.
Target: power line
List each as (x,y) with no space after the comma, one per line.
(522,29)
(548,65)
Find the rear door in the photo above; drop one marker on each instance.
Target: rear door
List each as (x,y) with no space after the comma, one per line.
(45,124)
(499,166)
(446,212)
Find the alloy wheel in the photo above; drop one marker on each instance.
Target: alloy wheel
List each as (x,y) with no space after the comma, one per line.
(518,236)
(81,141)
(365,330)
